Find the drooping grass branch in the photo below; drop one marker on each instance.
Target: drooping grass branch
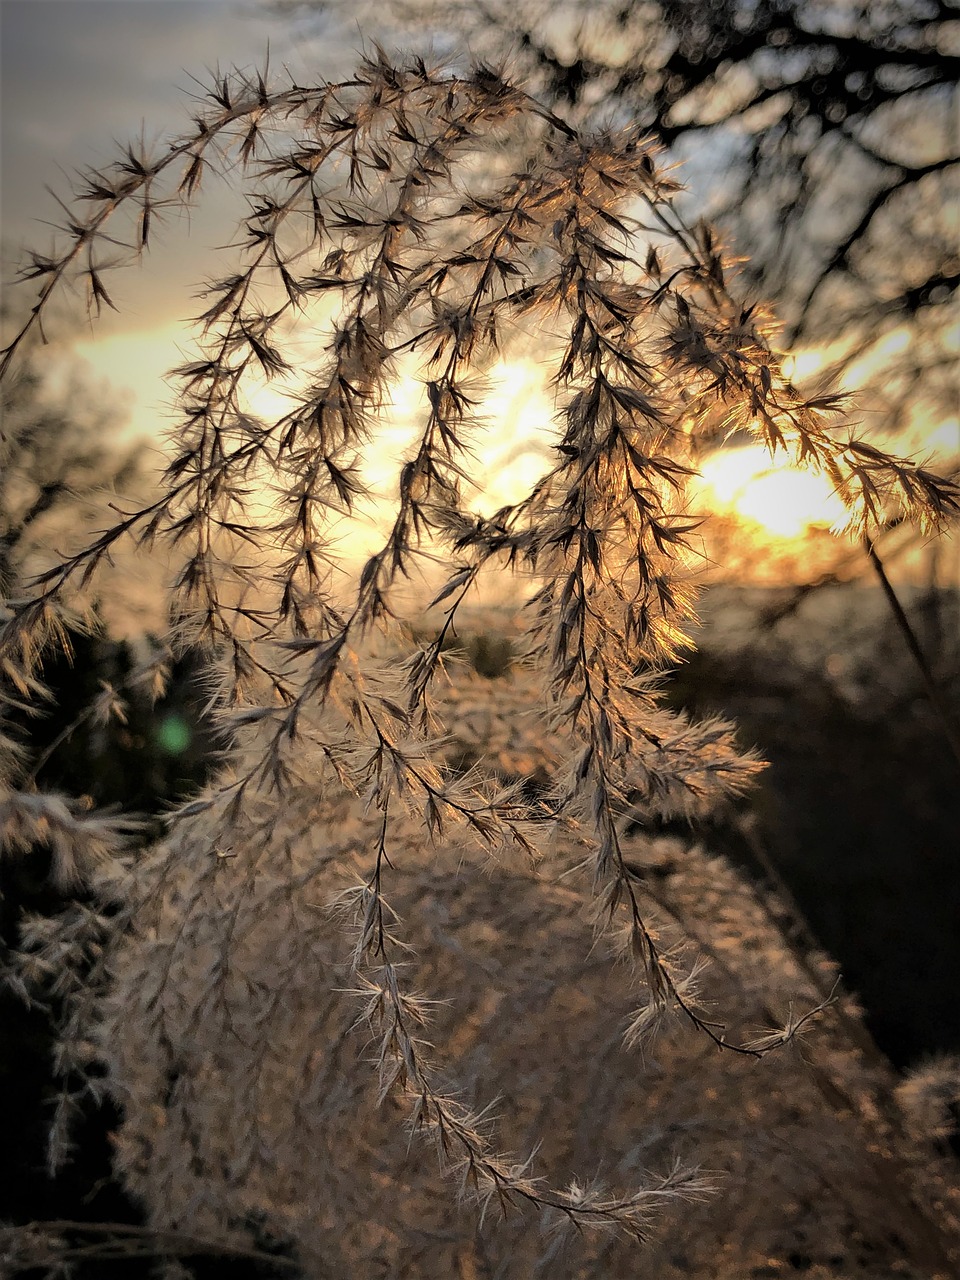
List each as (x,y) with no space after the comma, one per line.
(392,232)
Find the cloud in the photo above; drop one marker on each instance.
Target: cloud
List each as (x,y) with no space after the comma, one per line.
(79,77)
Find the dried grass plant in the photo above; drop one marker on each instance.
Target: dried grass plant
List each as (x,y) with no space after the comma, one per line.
(459,881)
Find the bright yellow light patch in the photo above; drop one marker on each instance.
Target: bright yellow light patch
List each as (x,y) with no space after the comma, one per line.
(135,364)
(784,499)
(518,410)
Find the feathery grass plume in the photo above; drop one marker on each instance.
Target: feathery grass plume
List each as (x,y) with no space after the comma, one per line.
(332,888)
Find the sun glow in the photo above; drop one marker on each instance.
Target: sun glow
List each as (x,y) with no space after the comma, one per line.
(505,448)
(772,492)
(507,452)
(519,412)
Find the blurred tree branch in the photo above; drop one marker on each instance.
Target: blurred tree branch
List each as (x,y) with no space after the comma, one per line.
(58,450)
(833,127)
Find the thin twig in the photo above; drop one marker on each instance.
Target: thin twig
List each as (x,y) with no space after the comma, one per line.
(933,689)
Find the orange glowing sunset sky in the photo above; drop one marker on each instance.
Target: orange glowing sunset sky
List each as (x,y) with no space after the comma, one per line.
(80,75)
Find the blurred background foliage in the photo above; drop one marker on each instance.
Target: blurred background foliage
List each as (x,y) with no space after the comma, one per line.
(63,456)
(822,138)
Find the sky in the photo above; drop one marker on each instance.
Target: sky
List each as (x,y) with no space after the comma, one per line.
(77,77)
(80,77)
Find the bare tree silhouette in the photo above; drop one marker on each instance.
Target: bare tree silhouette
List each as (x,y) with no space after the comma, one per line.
(833,135)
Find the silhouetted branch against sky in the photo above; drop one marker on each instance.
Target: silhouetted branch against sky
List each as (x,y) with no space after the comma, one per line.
(830,162)
(824,138)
